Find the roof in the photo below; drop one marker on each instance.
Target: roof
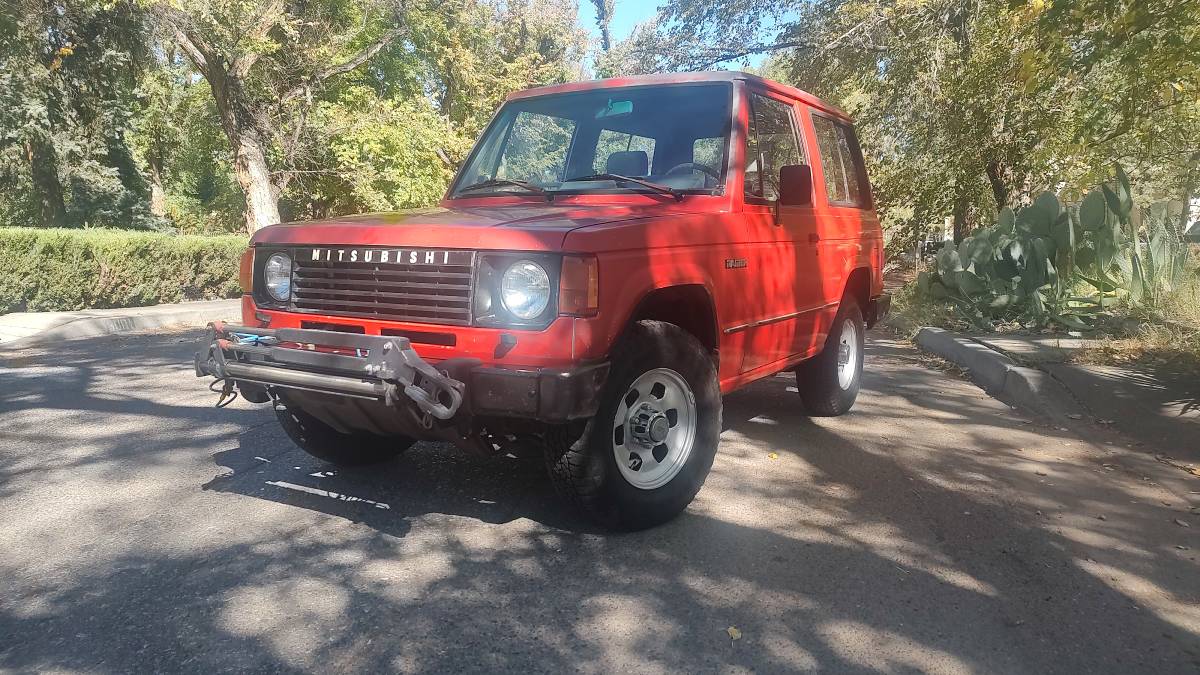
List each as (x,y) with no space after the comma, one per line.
(682,78)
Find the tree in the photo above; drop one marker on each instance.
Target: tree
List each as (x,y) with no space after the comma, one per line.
(966,106)
(604,12)
(67,78)
(392,136)
(263,63)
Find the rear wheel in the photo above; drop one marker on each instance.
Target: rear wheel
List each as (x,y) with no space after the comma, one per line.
(328,444)
(829,382)
(641,460)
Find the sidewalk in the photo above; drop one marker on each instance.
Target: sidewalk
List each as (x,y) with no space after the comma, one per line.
(1160,409)
(26,329)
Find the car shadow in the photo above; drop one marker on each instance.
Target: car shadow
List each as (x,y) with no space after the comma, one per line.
(428,479)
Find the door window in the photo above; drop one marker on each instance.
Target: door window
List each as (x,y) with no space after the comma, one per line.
(842,161)
(770,144)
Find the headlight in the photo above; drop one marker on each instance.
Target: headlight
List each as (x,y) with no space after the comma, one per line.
(277,274)
(525,289)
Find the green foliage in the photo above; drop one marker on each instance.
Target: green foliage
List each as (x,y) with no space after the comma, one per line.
(68,269)
(108,116)
(387,152)
(1030,265)
(67,76)
(964,108)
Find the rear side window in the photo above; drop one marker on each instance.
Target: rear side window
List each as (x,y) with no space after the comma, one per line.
(845,176)
(770,144)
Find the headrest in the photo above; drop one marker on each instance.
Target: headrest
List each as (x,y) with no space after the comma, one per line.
(629,163)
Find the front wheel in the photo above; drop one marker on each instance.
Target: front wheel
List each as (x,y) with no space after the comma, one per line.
(829,382)
(641,460)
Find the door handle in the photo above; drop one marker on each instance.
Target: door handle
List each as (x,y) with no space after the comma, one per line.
(813,237)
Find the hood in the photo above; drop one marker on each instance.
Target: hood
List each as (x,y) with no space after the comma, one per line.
(523,226)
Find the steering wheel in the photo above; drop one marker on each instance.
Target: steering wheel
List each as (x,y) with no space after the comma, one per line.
(693,166)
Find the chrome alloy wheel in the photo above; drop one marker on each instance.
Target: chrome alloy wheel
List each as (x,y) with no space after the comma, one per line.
(654,428)
(847,355)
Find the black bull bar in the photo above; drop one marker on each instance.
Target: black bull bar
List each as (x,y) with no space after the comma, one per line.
(373,367)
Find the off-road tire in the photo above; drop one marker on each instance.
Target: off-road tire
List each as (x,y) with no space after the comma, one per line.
(817,378)
(328,444)
(580,456)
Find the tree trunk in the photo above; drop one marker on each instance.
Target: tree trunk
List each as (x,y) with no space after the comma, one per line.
(1189,191)
(158,195)
(254,175)
(996,174)
(961,204)
(249,157)
(43,169)
(603,21)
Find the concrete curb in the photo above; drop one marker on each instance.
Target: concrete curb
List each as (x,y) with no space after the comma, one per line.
(36,328)
(1004,378)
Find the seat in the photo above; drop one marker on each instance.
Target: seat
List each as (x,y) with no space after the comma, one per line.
(628,163)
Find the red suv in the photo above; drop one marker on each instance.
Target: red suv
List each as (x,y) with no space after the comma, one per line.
(611,258)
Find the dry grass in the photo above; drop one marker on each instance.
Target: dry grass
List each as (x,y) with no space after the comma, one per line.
(1167,338)
(1154,347)
(1163,338)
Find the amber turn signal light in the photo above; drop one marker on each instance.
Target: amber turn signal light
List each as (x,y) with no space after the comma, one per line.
(579,286)
(246,271)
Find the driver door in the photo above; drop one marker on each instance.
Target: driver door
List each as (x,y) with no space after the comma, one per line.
(782,251)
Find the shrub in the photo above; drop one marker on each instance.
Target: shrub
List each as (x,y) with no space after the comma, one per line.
(63,269)
(1030,266)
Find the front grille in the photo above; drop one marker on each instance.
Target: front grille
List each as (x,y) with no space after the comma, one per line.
(434,292)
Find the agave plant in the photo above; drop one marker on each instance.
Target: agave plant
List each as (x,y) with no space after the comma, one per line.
(1137,253)
(1028,266)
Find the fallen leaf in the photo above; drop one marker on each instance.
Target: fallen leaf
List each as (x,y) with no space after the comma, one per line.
(734,633)
(772,455)
(1182,523)
(1075,416)
(1106,422)
(1102,517)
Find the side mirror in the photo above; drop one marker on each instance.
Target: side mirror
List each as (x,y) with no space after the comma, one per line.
(795,185)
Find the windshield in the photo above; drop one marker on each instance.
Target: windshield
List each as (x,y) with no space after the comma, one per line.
(671,136)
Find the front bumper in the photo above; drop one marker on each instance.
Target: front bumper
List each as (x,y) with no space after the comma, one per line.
(385,370)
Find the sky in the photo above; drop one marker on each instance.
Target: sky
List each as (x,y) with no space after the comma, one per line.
(626,15)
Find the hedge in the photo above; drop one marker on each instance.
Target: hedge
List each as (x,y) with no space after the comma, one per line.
(64,269)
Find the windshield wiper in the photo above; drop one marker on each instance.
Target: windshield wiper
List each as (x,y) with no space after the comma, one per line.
(499,182)
(616,177)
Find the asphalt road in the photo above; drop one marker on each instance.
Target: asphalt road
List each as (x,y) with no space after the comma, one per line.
(933,529)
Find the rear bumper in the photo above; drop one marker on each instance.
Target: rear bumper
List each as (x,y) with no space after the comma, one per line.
(385,370)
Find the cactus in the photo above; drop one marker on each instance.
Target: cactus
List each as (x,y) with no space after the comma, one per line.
(1028,265)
